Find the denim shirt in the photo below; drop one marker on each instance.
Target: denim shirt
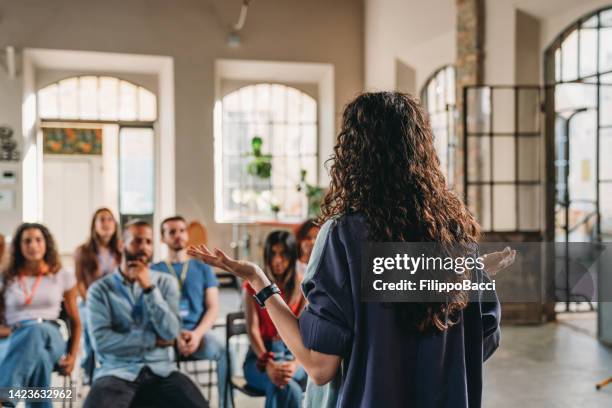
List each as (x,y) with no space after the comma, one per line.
(123,344)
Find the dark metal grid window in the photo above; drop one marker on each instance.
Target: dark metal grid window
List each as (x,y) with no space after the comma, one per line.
(286,120)
(579,74)
(438,98)
(502,156)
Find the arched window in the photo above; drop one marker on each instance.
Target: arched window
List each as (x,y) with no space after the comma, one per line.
(438,98)
(268,140)
(579,76)
(96,98)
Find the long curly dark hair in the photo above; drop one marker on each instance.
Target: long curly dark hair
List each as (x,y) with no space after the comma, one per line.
(289,278)
(385,167)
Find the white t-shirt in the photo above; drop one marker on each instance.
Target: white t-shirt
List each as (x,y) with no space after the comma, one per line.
(47,300)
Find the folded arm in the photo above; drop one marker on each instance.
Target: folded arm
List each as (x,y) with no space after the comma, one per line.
(105,339)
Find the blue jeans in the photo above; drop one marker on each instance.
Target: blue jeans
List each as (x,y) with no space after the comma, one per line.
(33,351)
(4,343)
(213,349)
(88,362)
(288,397)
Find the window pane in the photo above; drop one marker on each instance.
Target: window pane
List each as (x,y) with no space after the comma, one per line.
(136,171)
(605,106)
(605,152)
(606,18)
(591,22)
(558,64)
(309,109)
(569,97)
(588,52)
(606,208)
(309,163)
(503,158)
(293,140)
(529,158)
(308,141)
(127,101)
(68,101)
(479,201)
(478,110)
(294,105)
(48,102)
(450,85)
(569,55)
(504,207)
(529,110)
(605,49)
(108,98)
(279,103)
(147,104)
(279,139)
(503,110)
(530,207)
(88,101)
(479,163)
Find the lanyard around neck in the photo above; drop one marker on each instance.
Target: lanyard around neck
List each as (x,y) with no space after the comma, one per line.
(181,278)
(29,294)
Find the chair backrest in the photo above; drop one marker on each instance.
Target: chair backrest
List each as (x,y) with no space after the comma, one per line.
(236,350)
(235,324)
(197,233)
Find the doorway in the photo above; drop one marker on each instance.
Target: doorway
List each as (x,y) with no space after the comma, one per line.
(98,139)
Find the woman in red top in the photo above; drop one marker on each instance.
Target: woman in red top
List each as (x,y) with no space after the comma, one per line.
(269,366)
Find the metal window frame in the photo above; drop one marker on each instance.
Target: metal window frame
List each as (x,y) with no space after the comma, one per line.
(517,182)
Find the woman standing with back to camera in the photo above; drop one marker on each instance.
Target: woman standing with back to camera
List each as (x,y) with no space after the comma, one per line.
(386,186)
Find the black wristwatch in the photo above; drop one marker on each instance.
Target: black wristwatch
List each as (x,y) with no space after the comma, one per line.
(149,289)
(265,293)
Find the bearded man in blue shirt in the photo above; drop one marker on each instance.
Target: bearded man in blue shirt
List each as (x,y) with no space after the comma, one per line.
(134,322)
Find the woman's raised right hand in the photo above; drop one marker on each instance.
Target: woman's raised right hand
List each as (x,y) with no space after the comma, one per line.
(242,269)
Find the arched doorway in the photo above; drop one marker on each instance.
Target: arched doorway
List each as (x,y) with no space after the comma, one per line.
(438,98)
(97,137)
(578,77)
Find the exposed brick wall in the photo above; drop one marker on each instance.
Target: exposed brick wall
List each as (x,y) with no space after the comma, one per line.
(469,65)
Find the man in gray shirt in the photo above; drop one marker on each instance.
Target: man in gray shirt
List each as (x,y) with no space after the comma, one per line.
(134,321)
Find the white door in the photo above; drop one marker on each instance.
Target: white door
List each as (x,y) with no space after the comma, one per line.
(71,194)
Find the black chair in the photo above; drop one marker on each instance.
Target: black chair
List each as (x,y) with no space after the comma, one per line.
(235,326)
(68,383)
(190,366)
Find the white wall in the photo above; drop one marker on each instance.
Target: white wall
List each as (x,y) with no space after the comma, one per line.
(420,34)
(194,34)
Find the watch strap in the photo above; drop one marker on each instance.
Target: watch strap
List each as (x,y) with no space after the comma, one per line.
(265,293)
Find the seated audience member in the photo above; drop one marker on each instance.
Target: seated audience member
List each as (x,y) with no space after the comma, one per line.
(96,258)
(133,322)
(269,366)
(306,234)
(199,301)
(32,289)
